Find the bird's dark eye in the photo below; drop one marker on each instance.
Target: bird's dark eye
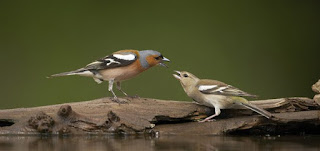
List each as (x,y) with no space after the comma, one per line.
(185,75)
(159,57)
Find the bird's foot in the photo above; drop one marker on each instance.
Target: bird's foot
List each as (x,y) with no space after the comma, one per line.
(207,120)
(120,100)
(133,96)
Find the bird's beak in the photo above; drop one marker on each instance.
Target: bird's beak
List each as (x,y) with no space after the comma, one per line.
(178,75)
(164,60)
(164,65)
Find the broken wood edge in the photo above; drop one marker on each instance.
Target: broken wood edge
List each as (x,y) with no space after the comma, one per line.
(316,87)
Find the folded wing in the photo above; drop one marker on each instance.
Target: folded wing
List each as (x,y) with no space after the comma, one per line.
(219,88)
(112,61)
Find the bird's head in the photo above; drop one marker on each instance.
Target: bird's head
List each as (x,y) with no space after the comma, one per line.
(152,58)
(186,79)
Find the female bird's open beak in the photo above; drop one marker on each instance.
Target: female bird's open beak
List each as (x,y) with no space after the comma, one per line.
(164,60)
(178,75)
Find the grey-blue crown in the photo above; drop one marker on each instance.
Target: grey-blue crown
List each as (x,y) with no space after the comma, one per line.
(144,53)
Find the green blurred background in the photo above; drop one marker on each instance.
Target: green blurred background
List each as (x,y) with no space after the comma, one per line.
(268,48)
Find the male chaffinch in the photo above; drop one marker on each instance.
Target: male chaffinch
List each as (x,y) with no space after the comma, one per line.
(119,66)
(215,94)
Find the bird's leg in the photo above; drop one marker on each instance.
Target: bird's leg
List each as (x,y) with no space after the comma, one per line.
(115,98)
(110,89)
(119,88)
(217,112)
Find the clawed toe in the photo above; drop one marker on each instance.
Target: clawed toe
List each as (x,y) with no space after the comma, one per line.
(211,120)
(120,100)
(133,96)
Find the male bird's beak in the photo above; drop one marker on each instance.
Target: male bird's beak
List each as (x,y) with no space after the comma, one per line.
(178,75)
(164,60)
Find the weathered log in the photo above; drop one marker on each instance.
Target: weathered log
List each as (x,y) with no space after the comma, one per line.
(150,116)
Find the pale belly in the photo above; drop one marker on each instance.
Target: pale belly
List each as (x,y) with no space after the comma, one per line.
(119,74)
(219,101)
(210,100)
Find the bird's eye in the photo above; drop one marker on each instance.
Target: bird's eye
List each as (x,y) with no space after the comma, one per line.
(157,58)
(185,75)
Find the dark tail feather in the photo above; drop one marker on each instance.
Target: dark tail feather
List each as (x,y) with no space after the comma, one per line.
(254,96)
(257,109)
(75,72)
(249,95)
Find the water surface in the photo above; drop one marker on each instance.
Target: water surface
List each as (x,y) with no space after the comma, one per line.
(163,143)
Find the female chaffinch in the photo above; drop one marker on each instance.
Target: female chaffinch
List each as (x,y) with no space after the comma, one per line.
(215,94)
(119,66)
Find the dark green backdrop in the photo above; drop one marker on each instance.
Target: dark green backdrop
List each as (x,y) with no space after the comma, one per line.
(268,48)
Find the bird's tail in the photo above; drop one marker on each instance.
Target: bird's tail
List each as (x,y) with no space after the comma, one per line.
(75,72)
(258,110)
(247,104)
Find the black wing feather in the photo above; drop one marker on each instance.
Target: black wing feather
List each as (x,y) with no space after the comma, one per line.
(109,62)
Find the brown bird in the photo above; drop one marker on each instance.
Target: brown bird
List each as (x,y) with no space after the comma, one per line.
(215,94)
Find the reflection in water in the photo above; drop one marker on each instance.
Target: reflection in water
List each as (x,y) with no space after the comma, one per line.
(163,143)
